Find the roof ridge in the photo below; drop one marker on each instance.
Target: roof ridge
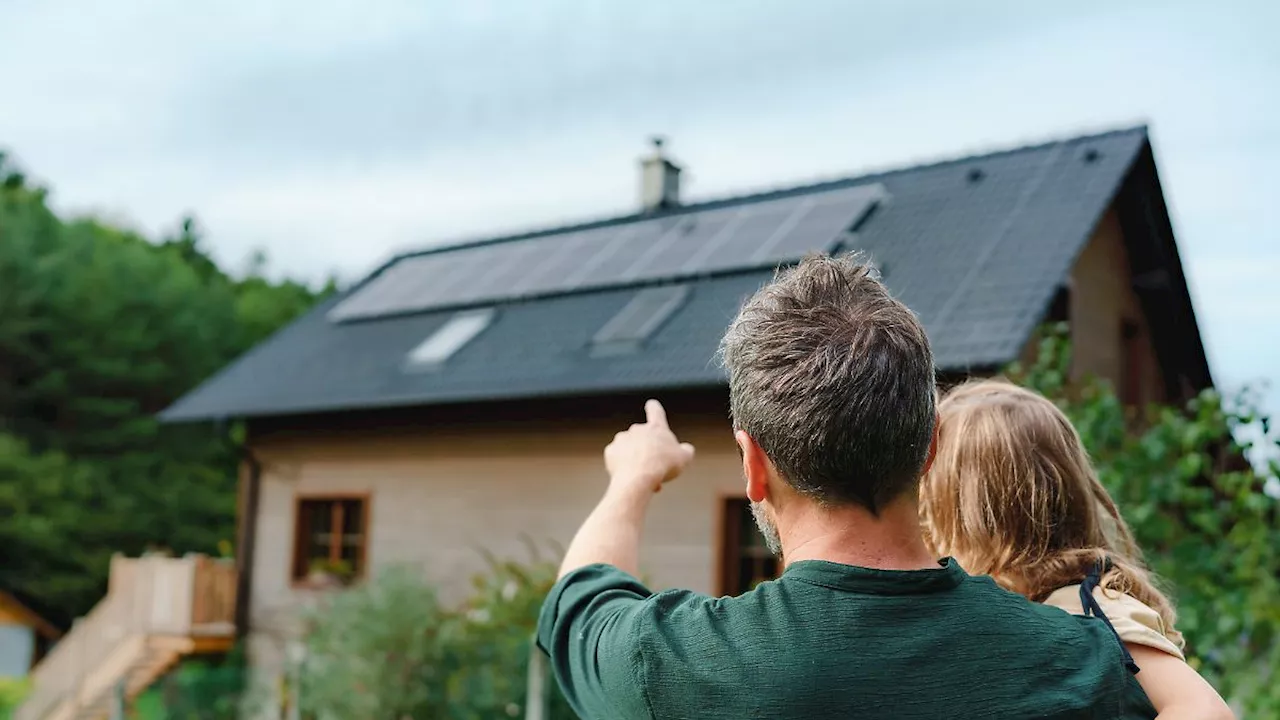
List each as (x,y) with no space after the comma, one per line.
(759,194)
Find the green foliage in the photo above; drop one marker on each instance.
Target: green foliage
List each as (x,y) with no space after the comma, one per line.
(1200,512)
(102,329)
(388,648)
(43,498)
(379,650)
(12,692)
(499,622)
(198,690)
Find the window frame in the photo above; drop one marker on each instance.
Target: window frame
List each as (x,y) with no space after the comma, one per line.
(729,528)
(447,340)
(648,310)
(299,543)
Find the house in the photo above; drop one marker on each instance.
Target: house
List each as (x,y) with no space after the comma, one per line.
(25,636)
(458,398)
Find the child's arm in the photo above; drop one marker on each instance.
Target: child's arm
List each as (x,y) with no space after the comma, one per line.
(1175,689)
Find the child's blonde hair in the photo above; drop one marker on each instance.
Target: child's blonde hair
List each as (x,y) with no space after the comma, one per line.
(1012,494)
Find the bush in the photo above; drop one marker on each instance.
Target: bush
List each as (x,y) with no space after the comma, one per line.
(12,693)
(388,649)
(1199,510)
(198,689)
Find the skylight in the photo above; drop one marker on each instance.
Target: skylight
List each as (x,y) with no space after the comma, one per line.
(449,338)
(638,319)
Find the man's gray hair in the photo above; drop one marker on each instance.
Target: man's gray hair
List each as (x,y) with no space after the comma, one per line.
(833,378)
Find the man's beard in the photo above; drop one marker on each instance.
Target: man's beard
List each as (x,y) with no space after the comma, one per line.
(767,528)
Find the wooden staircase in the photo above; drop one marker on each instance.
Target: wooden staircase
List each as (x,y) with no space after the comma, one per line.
(157,611)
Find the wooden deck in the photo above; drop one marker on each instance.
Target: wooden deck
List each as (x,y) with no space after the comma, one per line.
(157,610)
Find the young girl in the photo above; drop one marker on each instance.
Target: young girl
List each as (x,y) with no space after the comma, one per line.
(1011,494)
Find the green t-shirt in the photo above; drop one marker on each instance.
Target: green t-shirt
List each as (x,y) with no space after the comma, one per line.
(830,641)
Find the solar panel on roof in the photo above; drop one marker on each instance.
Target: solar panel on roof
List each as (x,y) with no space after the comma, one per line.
(819,221)
(545,272)
(629,253)
(690,237)
(669,241)
(689,244)
(501,269)
(589,265)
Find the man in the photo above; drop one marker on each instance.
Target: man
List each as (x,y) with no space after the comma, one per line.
(831,385)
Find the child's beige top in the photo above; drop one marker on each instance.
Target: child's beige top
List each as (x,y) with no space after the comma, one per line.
(1134,622)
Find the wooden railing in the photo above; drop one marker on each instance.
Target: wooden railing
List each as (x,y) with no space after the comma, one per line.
(146,597)
(213,602)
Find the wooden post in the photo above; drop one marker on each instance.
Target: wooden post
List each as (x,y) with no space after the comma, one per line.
(297,656)
(77,681)
(537,697)
(117,701)
(200,589)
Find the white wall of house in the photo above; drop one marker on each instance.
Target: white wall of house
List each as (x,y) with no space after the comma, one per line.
(439,498)
(17,647)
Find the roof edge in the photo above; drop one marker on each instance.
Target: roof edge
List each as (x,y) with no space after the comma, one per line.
(409,402)
(31,617)
(759,195)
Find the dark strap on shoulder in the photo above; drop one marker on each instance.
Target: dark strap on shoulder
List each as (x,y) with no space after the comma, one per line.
(1092,608)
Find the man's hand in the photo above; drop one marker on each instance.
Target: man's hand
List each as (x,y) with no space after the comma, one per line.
(639,460)
(648,454)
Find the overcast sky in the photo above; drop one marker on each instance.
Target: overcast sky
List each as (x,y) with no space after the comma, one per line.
(332,133)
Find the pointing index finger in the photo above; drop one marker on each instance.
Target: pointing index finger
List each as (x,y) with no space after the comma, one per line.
(655,414)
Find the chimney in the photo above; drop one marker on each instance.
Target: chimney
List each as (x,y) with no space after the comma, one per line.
(659,180)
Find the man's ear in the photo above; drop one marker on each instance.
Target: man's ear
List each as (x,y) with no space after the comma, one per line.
(933,446)
(756,466)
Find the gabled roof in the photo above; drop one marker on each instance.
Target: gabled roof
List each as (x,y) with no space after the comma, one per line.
(976,246)
(28,617)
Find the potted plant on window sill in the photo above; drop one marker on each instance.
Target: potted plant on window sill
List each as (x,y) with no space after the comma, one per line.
(325,574)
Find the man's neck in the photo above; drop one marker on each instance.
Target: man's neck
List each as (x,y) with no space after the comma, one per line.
(853,536)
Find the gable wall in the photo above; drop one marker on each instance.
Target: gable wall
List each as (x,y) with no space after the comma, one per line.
(1101,300)
(439,497)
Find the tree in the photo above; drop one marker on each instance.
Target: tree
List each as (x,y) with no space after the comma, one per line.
(101,330)
(1199,510)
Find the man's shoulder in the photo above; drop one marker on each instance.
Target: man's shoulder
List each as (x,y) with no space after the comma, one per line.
(984,592)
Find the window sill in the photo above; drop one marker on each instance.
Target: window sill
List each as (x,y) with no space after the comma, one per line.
(323,584)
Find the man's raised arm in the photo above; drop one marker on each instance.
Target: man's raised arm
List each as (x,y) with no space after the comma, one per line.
(639,461)
(593,622)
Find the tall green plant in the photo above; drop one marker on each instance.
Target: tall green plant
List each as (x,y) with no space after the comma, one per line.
(381,650)
(1199,510)
(498,625)
(388,649)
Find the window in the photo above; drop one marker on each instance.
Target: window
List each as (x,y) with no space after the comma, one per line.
(330,538)
(449,338)
(638,320)
(1130,363)
(746,560)
(1060,306)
